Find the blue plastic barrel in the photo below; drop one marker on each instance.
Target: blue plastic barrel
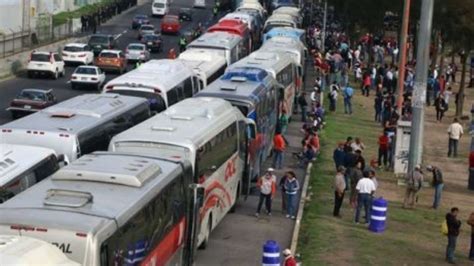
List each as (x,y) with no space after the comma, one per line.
(378,215)
(271,254)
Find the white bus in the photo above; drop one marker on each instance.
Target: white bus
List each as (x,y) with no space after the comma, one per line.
(112,209)
(212,135)
(231,46)
(162,82)
(208,65)
(23,166)
(28,251)
(77,126)
(281,67)
(289,10)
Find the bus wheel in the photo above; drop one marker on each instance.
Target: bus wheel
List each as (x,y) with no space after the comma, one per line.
(208,232)
(237,197)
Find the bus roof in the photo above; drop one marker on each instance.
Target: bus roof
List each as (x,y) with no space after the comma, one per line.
(16,159)
(286,32)
(237,89)
(75,115)
(25,251)
(281,18)
(90,191)
(233,26)
(292,47)
(203,61)
(272,62)
(163,74)
(216,40)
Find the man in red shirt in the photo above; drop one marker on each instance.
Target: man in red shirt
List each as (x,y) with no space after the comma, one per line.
(279,147)
(383,149)
(289,259)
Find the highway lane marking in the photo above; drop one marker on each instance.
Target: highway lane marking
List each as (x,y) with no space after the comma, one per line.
(120,34)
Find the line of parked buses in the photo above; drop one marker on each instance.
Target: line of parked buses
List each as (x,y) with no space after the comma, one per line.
(109,184)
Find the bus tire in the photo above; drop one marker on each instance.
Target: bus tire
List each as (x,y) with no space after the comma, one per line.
(237,197)
(205,242)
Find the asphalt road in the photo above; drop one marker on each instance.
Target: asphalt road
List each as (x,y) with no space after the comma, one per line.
(120,26)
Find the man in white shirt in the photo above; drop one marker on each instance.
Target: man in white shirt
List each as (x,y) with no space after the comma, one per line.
(365,189)
(455,132)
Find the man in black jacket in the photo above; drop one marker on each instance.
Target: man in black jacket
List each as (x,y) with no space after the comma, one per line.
(453,231)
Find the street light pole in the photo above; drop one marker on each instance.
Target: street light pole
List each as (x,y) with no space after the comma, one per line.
(419,92)
(403,54)
(323,33)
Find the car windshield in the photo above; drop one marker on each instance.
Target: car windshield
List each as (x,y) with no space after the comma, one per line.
(136,47)
(73,49)
(99,39)
(150,37)
(32,96)
(108,55)
(159,5)
(170,20)
(86,71)
(40,57)
(147,27)
(141,17)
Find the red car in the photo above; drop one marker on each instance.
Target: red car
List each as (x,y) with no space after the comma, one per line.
(170,24)
(30,101)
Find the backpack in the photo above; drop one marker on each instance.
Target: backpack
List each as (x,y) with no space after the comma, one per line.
(444,228)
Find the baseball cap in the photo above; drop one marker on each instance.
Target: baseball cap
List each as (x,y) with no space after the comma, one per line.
(286,252)
(270,169)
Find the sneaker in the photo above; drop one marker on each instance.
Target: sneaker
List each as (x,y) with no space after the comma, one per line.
(287,216)
(257,214)
(269,213)
(293,217)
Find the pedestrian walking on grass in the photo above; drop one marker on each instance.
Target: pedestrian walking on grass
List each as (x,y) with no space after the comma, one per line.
(348,93)
(470,222)
(279,147)
(339,190)
(339,155)
(291,189)
(454,225)
(414,182)
(289,260)
(267,186)
(383,150)
(455,132)
(440,106)
(365,189)
(437,183)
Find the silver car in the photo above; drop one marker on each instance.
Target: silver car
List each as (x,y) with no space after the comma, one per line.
(137,52)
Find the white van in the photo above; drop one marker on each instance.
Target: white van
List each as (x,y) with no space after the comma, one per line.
(160,7)
(28,251)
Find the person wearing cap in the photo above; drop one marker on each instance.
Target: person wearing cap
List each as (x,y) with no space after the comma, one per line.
(437,183)
(267,186)
(289,260)
(339,189)
(414,181)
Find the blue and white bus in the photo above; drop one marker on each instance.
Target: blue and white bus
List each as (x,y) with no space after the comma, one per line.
(294,33)
(255,93)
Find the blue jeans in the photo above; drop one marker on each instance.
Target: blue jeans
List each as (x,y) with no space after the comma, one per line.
(437,195)
(277,159)
(453,147)
(303,113)
(347,105)
(451,247)
(291,204)
(363,199)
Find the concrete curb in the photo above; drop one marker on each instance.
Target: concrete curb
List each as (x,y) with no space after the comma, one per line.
(299,216)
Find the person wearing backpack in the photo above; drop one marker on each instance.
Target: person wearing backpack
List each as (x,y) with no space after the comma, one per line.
(414,182)
(471,223)
(454,224)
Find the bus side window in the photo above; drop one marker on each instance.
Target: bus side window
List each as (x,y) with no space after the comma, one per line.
(172,96)
(188,88)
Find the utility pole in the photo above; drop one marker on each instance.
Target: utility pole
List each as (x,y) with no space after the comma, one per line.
(323,32)
(419,92)
(402,51)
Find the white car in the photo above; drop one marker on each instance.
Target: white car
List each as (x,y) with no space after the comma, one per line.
(77,53)
(45,63)
(87,76)
(137,52)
